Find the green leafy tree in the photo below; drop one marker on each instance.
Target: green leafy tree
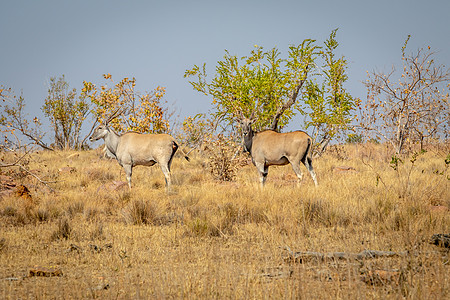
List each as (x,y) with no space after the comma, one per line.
(66,113)
(267,87)
(262,84)
(327,104)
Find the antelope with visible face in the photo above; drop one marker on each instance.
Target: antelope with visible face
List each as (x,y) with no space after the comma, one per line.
(271,148)
(132,149)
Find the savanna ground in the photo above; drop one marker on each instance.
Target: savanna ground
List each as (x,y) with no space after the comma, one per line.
(209,239)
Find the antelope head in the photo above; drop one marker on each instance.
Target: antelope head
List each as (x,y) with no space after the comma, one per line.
(247,131)
(102,130)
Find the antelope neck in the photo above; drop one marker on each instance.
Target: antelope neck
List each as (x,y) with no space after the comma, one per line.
(112,141)
(248,140)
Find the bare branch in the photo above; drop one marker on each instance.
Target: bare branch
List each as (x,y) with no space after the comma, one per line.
(289,103)
(2,165)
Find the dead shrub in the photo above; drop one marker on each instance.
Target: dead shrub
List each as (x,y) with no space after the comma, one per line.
(201,227)
(224,158)
(63,230)
(338,151)
(97,175)
(314,210)
(140,212)
(232,214)
(379,210)
(97,232)
(14,216)
(9,211)
(91,214)
(42,214)
(397,221)
(75,208)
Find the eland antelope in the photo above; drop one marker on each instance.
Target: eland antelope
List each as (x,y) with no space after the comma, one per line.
(132,149)
(271,148)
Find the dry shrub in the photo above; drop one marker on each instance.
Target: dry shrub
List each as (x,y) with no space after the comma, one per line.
(233,215)
(97,232)
(397,221)
(13,216)
(50,209)
(91,214)
(322,212)
(75,208)
(195,178)
(140,212)
(224,159)
(9,211)
(202,227)
(108,208)
(380,210)
(19,211)
(63,230)
(42,214)
(317,211)
(338,151)
(221,220)
(97,174)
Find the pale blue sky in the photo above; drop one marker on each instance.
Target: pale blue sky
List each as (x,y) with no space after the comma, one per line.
(156,41)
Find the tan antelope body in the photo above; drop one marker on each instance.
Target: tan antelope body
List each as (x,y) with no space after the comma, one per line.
(133,149)
(269,148)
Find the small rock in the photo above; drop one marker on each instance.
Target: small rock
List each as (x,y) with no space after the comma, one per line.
(113,186)
(23,192)
(101,287)
(67,170)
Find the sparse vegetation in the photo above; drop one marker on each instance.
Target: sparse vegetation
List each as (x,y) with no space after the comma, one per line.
(219,239)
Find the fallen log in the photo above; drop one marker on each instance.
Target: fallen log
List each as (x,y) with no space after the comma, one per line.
(45,272)
(304,256)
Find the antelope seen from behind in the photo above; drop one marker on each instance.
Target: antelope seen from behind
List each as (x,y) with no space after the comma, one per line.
(132,149)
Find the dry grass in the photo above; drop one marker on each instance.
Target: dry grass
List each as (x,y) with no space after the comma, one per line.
(207,239)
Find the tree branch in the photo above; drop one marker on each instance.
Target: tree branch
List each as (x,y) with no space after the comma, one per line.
(289,103)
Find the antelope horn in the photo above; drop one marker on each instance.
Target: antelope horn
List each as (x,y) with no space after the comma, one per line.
(115,114)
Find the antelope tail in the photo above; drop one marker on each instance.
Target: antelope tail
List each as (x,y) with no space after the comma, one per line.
(175,147)
(308,152)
